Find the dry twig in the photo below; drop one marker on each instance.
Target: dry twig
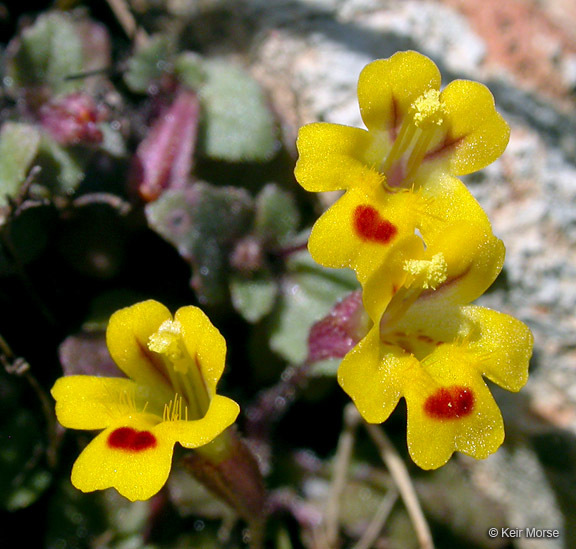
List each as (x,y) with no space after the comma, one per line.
(341,468)
(126,20)
(404,483)
(377,523)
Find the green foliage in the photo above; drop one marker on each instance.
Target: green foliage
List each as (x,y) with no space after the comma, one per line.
(202,222)
(238,125)
(253,297)
(19,145)
(45,54)
(308,293)
(277,217)
(189,69)
(149,63)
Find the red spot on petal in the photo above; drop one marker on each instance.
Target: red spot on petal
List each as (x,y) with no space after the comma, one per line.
(126,438)
(450,403)
(369,225)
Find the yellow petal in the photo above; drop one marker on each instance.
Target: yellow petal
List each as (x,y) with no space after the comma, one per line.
(454,224)
(127,337)
(90,402)
(388,87)
(192,434)
(474,257)
(450,409)
(502,344)
(333,157)
(450,222)
(204,344)
(361,228)
(478,133)
(132,457)
(373,374)
(445,199)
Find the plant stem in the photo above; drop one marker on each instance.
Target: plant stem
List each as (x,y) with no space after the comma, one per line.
(122,12)
(341,468)
(377,523)
(270,406)
(404,483)
(20,367)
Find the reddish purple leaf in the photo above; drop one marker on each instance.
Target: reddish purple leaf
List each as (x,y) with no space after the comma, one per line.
(337,333)
(164,158)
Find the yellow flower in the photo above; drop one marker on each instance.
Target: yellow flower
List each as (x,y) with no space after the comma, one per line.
(174,365)
(399,174)
(434,351)
(412,128)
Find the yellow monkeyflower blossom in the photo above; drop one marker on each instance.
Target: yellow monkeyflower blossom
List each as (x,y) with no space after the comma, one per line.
(173,365)
(434,350)
(399,174)
(412,127)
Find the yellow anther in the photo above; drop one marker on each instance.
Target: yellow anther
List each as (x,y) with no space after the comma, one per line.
(175,410)
(428,109)
(426,274)
(167,340)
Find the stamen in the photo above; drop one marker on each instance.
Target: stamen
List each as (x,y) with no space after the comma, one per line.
(126,399)
(184,371)
(418,152)
(428,110)
(401,143)
(167,340)
(426,274)
(422,275)
(166,412)
(400,303)
(175,410)
(419,127)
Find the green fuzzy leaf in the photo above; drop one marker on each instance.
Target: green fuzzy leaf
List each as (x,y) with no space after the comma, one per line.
(325,368)
(149,63)
(114,143)
(18,147)
(45,54)
(238,125)
(254,297)
(309,291)
(189,69)
(277,216)
(62,168)
(203,222)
